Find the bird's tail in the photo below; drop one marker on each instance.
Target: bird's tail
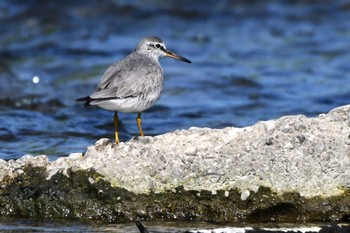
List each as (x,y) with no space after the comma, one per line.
(87,100)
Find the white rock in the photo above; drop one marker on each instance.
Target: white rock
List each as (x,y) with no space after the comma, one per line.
(240,157)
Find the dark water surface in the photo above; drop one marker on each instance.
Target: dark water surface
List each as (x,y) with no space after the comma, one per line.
(26,226)
(252,60)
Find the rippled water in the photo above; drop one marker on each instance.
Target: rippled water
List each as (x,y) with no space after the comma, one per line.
(251,61)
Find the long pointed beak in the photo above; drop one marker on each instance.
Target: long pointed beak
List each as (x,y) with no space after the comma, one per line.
(177,57)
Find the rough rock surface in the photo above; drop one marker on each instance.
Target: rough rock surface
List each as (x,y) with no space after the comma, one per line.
(310,156)
(293,154)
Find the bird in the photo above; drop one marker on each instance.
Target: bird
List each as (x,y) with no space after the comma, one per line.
(133,84)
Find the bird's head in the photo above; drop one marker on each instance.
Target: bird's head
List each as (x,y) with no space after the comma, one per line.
(154,47)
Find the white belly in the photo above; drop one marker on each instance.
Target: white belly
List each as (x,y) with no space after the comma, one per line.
(130,104)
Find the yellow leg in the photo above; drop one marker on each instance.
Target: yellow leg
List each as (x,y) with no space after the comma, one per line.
(116,118)
(138,120)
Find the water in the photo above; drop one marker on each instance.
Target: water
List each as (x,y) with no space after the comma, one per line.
(252,61)
(26,226)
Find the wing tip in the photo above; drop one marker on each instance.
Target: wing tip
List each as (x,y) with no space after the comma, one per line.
(87,100)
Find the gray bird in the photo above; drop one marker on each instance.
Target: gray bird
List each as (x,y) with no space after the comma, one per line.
(133,84)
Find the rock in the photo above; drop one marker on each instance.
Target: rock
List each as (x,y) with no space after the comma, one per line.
(290,164)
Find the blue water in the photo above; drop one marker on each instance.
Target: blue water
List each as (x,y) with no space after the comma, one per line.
(252,61)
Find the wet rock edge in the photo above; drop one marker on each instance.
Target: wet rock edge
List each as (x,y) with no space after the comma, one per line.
(85,195)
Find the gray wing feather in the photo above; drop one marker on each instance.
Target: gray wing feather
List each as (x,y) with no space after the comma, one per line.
(132,76)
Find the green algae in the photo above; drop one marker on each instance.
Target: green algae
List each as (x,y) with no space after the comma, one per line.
(85,195)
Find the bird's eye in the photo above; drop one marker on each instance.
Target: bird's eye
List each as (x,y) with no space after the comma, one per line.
(158,45)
